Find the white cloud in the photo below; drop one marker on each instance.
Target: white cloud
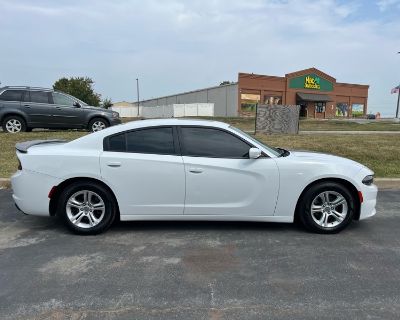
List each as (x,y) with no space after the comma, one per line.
(386,4)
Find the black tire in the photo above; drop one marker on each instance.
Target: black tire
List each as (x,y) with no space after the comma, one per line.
(19,121)
(110,208)
(312,194)
(97,122)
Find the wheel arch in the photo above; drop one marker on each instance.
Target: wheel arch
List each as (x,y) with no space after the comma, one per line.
(350,186)
(55,196)
(14,113)
(91,118)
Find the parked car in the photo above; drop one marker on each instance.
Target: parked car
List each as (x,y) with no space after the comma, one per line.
(371,116)
(176,169)
(25,108)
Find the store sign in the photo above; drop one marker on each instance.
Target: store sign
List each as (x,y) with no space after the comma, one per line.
(312,82)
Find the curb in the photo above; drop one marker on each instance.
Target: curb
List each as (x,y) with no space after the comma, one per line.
(5,183)
(382,183)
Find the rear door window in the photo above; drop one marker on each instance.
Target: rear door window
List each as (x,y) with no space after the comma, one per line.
(11,95)
(158,140)
(40,97)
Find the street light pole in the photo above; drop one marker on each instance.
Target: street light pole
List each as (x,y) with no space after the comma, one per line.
(398,102)
(137,90)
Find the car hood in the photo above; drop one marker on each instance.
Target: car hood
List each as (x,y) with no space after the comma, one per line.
(97,109)
(325,158)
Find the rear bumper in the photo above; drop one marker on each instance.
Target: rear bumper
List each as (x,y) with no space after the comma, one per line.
(368,206)
(30,192)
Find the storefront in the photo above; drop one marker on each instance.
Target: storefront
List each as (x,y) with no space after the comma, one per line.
(318,94)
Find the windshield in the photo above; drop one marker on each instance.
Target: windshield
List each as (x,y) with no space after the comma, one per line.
(273,150)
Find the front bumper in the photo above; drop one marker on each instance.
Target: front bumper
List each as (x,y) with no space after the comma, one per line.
(369,201)
(114,121)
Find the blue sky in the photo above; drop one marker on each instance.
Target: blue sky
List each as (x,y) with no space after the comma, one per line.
(177,45)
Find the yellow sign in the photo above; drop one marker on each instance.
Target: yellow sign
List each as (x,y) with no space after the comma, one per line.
(311,82)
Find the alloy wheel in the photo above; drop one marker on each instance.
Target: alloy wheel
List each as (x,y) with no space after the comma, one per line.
(329,209)
(85,209)
(13,126)
(98,126)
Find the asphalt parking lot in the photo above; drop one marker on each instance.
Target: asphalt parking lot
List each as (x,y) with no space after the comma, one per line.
(205,270)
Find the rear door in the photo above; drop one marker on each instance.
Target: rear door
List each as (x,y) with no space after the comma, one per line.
(220,177)
(64,111)
(145,170)
(37,106)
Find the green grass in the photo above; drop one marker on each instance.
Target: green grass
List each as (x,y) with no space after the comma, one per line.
(381,152)
(347,125)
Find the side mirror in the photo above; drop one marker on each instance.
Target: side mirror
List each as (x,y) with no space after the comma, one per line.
(254,153)
(77,104)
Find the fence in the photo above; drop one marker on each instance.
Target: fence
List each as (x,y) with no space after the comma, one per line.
(168,111)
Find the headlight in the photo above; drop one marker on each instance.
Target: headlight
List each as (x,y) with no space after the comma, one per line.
(368,180)
(115,114)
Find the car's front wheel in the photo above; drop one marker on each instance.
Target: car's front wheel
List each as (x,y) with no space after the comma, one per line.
(87,207)
(327,207)
(14,124)
(97,124)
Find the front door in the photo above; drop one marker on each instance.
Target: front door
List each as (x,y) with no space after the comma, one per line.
(220,177)
(145,171)
(38,108)
(65,113)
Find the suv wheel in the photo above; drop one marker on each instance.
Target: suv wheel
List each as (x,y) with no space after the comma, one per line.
(97,124)
(14,124)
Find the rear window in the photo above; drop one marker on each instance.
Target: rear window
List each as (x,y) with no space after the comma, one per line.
(11,95)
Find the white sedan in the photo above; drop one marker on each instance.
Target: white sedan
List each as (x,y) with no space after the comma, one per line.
(179,169)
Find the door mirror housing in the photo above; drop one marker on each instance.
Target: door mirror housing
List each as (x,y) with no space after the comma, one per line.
(254,153)
(77,104)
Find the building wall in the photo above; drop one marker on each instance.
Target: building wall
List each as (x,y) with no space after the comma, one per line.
(224,99)
(280,86)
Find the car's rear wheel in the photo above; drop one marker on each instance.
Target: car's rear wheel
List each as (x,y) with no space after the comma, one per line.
(87,208)
(327,207)
(14,124)
(97,124)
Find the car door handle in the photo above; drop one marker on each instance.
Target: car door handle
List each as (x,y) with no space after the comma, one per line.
(195,170)
(114,164)
(27,106)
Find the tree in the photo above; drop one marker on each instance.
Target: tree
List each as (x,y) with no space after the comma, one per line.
(79,87)
(107,103)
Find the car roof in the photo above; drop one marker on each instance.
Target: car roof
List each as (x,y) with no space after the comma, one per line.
(172,122)
(25,88)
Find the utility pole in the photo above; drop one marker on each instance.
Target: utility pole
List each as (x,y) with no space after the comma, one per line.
(137,90)
(398,101)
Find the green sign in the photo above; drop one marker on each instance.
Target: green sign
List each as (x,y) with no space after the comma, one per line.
(311,82)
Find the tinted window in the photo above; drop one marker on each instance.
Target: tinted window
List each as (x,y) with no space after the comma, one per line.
(206,142)
(11,95)
(39,97)
(117,143)
(62,99)
(156,140)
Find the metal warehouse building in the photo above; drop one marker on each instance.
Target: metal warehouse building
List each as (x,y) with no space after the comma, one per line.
(224,97)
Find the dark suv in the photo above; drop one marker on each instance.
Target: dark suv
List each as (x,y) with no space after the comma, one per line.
(25,108)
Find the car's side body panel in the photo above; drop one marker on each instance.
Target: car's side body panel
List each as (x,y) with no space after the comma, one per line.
(216,186)
(145,184)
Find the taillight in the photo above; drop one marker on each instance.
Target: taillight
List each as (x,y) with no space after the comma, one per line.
(19,165)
